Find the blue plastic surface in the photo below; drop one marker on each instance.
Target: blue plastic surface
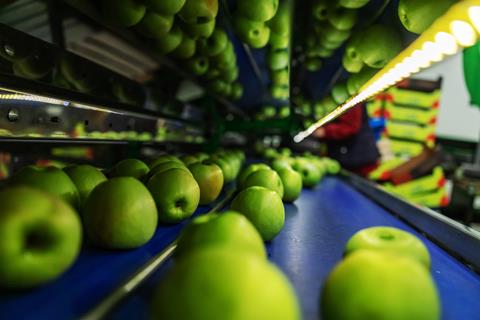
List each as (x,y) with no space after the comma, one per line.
(93,276)
(316,230)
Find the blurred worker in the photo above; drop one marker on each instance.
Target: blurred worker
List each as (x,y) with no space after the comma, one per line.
(351,141)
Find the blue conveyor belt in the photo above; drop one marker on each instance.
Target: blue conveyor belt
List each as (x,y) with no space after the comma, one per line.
(316,230)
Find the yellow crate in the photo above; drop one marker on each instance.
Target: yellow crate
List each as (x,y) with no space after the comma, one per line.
(375,107)
(381,172)
(409,131)
(420,116)
(436,199)
(414,98)
(421,185)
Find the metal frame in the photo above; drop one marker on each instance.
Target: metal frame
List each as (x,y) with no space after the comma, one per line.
(459,240)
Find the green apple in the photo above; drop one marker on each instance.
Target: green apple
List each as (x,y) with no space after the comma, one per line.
(313,64)
(214,44)
(264,208)
(248,170)
(280,77)
(332,166)
(199,30)
(379,285)
(237,91)
(278,60)
(353,4)
(164,158)
(51,179)
(186,49)
(198,65)
(292,183)
(35,66)
(323,52)
(225,59)
(340,93)
(277,42)
(332,36)
(389,239)
(176,194)
(320,9)
(309,172)
(240,285)
(343,19)
(266,178)
(120,214)
(357,80)
(284,112)
(125,13)
(199,11)
(165,7)
(352,65)
(85,178)
(40,237)
(189,159)
(229,229)
(417,16)
(281,163)
(218,86)
(170,41)
(254,33)
(379,45)
(281,22)
(130,168)
(230,75)
(78,74)
(209,177)
(164,166)
(201,156)
(258,10)
(154,25)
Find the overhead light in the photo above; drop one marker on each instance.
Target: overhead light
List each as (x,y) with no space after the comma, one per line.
(457,28)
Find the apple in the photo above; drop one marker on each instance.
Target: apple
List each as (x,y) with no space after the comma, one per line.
(292,183)
(232,285)
(254,33)
(313,64)
(280,92)
(199,11)
(176,194)
(125,13)
(225,58)
(331,36)
(214,44)
(379,285)
(280,24)
(51,180)
(154,25)
(332,166)
(230,75)
(284,112)
(278,60)
(35,66)
(40,237)
(352,65)
(170,41)
(165,7)
(323,52)
(263,207)
(130,168)
(78,74)
(218,86)
(258,10)
(209,177)
(199,30)
(389,239)
(310,174)
(85,178)
(189,159)
(280,77)
(164,166)
(266,178)
(353,4)
(357,80)
(201,156)
(237,91)
(120,214)
(417,16)
(198,65)
(248,170)
(164,158)
(319,110)
(320,9)
(379,44)
(229,229)
(340,93)
(342,18)
(186,49)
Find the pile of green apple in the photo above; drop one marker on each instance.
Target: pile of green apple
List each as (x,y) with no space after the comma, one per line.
(278,57)
(385,274)
(332,25)
(45,211)
(186,31)
(251,19)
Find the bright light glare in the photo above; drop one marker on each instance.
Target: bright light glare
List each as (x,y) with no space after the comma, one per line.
(421,59)
(464,33)
(446,42)
(432,51)
(474,14)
